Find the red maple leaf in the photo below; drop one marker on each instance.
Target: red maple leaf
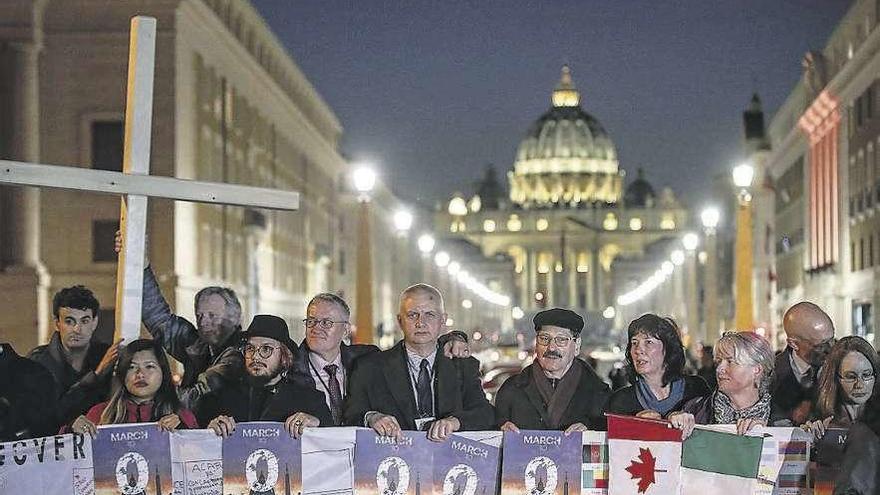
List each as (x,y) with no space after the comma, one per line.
(644,470)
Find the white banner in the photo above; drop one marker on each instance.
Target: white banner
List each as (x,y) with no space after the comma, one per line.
(61,464)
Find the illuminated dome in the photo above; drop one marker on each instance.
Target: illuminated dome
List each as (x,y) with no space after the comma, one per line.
(567,157)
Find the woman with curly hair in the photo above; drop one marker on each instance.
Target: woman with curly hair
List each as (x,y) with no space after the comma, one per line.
(846,384)
(144,393)
(654,362)
(744,363)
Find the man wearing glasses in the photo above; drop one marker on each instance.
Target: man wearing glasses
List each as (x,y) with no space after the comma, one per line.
(558,391)
(263,394)
(809,332)
(412,386)
(324,362)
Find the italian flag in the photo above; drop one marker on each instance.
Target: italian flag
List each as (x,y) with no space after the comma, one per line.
(723,463)
(645,456)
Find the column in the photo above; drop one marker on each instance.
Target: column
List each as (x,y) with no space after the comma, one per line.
(692,310)
(571,272)
(710,285)
(533,280)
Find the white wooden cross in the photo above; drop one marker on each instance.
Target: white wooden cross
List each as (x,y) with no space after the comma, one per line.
(135,183)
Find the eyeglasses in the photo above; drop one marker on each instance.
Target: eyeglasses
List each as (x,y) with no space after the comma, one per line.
(427,316)
(559,340)
(852,378)
(325,323)
(264,351)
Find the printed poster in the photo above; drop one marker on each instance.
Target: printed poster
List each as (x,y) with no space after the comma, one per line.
(56,465)
(328,460)
(132,460)
(594,463)
(828,456)
(387,466)
(261,458)
(465,466)
(541,463)
(196,462)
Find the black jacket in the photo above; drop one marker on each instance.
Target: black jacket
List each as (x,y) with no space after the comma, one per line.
(27,398)
(520,402)
(859,473)
(76,391)
(300,371)
(276,403)
(381,382)
(791,403)
(625,401)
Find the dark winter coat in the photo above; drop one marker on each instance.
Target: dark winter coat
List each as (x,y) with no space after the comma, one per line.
(27,398)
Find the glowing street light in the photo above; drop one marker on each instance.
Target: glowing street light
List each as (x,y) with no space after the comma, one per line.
(364,178)
(710,217)
(690,241)
(403,220)
(743,175)
(677,257)
(426,243)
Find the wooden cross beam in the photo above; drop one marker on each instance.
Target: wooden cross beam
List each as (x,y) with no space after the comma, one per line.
(135,183)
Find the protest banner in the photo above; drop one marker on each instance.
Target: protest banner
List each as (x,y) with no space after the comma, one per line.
(132,460)
(826,462)
(196,462)
(260,458)
(390,466)
(594,463)
(328,461)
(61,464)
(541,463)
(467,466)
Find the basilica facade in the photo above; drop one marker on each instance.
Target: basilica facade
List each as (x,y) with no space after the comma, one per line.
(575,233)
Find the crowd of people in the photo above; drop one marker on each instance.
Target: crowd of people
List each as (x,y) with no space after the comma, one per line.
(428,381)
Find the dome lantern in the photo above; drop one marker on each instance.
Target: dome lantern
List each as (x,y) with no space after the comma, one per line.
(565,94)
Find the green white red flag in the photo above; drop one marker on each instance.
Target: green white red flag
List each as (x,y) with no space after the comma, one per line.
(645,456)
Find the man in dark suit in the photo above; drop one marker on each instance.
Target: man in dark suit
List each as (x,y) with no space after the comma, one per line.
(262,393)
(412,386)
(810,335)
(324,362)
(558,391)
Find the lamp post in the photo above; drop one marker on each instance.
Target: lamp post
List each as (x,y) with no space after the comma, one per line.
(743,175)
(364,180)
(690,241)
(426,244)
(710,218)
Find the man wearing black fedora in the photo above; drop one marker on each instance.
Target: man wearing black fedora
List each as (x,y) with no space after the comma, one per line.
(262,393)
(558,391)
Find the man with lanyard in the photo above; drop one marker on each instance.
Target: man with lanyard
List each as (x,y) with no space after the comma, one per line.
(809,333)
(558,391)
(413,387)
(324,362)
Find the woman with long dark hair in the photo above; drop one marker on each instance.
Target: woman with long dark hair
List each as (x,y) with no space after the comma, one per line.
(846,383)
(143,393)
(655,362)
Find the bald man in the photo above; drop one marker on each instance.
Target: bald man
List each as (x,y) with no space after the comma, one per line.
(810,334)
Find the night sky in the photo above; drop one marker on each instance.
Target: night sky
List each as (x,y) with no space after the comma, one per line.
(433,91)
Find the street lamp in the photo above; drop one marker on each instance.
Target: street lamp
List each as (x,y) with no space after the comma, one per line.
(426,244)
(690,241)
(441,259)
(710,218)
(403,220)
(677,257)
(364,179)
(743,175)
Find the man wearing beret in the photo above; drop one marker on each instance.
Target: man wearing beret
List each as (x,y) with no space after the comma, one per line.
(262,393)
(558,391)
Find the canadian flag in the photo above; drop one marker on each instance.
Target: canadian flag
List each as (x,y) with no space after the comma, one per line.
(644,456)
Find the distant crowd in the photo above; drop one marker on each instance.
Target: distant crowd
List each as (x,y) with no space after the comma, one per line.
(428,381)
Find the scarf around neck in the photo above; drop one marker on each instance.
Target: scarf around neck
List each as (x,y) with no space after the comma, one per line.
(724,412)
(557,399)
(649,401)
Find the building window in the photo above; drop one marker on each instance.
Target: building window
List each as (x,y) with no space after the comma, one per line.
(862,319)
(103,240)
(489,225)
(861,254)
(635,223)
(514,224)
(610,222)
(107,144)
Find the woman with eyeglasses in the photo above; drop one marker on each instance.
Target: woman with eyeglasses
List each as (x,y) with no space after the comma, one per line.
(846,384)
(655,362)
(143,393)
